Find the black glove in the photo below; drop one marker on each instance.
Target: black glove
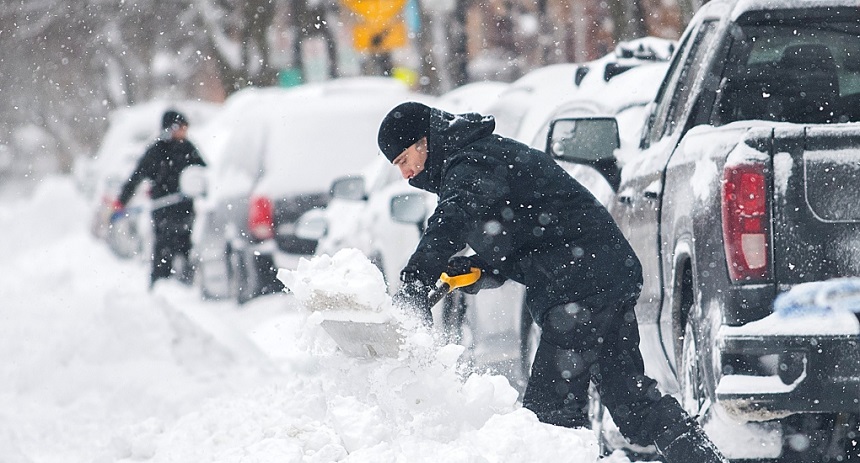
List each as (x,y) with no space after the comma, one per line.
(490,278)
(414,294)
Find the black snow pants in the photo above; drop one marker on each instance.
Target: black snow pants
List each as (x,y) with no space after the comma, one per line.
(172,238)
(581,342)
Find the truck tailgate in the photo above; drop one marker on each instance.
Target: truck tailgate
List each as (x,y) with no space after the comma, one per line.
(816,207)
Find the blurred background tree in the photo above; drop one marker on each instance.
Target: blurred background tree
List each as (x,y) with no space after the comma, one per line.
(66,65)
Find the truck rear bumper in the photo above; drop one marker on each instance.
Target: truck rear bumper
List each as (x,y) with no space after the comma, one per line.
(801,373)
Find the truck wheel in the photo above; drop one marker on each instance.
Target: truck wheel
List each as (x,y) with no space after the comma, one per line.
(690,377)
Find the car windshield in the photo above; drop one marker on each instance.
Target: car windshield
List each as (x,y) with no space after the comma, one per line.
(793,72)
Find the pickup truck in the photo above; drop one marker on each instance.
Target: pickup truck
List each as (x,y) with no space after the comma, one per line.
(745,185)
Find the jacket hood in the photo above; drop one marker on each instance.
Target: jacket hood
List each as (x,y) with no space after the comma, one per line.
(449,133)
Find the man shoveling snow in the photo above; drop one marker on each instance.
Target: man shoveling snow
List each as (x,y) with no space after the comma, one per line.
(529,221)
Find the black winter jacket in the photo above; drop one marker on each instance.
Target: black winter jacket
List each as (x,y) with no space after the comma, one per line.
(521,212)
(163,163)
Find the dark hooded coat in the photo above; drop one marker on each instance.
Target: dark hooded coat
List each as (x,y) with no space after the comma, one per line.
(521,212)
(163,163)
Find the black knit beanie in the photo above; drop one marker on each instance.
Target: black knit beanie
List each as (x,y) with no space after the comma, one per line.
(171,118)
(402,127)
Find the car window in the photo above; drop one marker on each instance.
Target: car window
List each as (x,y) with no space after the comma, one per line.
(662,99)
(680,105)
(673,102)
(794,72)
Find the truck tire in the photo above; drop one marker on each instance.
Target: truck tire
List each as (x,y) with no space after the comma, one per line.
(690,376)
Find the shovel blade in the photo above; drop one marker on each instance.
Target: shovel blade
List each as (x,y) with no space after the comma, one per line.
(365,339)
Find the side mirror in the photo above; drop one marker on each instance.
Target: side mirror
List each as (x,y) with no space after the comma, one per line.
(192,181)
(590,141)
(312,225)
(349,188)
(409,208)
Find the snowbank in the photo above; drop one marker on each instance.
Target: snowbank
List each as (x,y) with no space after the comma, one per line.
(98,369)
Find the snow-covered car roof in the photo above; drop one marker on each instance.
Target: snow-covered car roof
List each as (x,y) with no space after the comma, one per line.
(544,83)
(636,87)
(473,97)
(298,140)
(522,109)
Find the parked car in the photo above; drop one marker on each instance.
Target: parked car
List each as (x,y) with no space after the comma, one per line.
(284,149)
(347,215)
(520,110)
(130,131)
(625,97)
(744,186)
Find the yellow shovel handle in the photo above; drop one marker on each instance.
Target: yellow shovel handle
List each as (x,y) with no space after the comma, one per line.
(459,281)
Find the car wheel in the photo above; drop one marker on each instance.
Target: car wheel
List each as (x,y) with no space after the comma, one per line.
(123,237)
(213,276)
(240,278)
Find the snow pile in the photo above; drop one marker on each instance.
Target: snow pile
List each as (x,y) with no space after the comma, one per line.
(86,350)
(345,281)
(421,407)
(827,307)
(820,297)
(98,369)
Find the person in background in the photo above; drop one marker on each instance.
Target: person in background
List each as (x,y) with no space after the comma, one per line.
(528,220)
(163,163)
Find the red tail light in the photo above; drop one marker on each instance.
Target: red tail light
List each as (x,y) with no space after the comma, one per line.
(260,213)
(746,224)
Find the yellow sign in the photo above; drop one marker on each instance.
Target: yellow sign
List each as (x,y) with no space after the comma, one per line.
(375,11)
(379,37)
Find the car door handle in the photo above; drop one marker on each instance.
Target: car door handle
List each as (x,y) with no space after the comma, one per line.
(650,194)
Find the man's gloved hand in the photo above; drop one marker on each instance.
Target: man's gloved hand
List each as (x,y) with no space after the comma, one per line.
(459,265)
(413,295)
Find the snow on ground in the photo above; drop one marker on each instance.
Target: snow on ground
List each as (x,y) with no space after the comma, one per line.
(97,369)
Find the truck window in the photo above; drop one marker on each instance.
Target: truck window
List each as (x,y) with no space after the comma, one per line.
(702,48)
(806,73)
(680,81)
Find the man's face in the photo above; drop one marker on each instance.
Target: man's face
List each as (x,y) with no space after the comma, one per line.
(411,161)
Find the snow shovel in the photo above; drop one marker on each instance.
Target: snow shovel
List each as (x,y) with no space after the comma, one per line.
(371,339)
